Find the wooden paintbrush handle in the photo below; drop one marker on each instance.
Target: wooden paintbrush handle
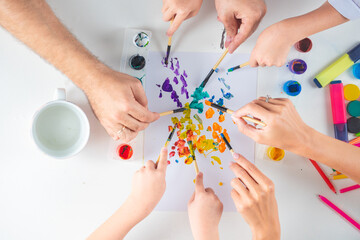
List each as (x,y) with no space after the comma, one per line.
(220,59)
(166,113)
(196,167)
(244,64)
(254,121)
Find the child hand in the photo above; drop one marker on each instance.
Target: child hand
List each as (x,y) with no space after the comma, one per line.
(148,185)
(254,198)
(179,10)
(272,46)
(285,129)
(204,209)
(242,15)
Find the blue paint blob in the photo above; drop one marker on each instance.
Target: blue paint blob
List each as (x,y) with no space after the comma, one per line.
(292,88)
(228,95)
(297,66)
(356,70)
(177,161)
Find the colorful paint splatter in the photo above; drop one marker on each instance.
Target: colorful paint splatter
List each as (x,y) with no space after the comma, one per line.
(190,126)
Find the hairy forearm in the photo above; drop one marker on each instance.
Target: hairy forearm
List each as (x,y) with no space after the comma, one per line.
(325,17)
(120,223)
(339,155)
(34,23)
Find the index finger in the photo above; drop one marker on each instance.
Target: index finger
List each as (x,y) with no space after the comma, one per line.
(246,29)
(199,183)
(252,170)
(252,109)
(142,114)
(179,18)
(162,165)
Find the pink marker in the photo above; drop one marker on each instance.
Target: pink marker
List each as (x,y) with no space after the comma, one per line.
(347,189)
(338,110)
(339,211)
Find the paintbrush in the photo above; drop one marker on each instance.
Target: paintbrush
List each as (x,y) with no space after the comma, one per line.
(168,47)
(213,69)
(227,143)
(238,67)
(172,111)
(193,157)
(224,109)
(168,140)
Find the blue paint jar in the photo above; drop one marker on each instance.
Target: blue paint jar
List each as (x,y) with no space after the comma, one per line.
(292,88)
(356,70)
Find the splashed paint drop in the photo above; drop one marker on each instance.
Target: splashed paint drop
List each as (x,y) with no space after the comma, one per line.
(220,183)
(221,118)
(175,80)
(167,87)
(185,74)
(177,161)
(171,154)
(217,159)
(168,162)
(228,95)
(209,113)
(222,80)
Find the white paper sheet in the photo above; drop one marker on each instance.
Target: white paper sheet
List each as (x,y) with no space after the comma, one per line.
(180,176)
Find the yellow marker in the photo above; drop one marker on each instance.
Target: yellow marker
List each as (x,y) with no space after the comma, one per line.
(337,67)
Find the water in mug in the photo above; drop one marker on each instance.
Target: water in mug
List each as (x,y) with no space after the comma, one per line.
(58,128)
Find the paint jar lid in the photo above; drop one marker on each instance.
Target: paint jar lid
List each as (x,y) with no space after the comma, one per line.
(297,66)
(351,92)
(275,154)
(141,39)
(356,70)
(353,125)
(353,108)
(303,45)
(292,88)
(125,151)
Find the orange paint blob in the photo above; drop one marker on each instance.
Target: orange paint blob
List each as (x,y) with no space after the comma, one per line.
(208,128)
(189,160)
(222,147)
(209,113)
(220,184)
(221,118)
(217,127)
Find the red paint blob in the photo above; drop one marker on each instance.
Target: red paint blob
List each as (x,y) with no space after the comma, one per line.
(168,162)
(304,45)
(171,154)
(125,151)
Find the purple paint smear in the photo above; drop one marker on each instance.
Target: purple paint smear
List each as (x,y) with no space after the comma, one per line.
(167,87)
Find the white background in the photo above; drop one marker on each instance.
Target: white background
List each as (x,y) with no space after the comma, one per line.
(43,198)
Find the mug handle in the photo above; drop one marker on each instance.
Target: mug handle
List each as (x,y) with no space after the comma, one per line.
(60,94)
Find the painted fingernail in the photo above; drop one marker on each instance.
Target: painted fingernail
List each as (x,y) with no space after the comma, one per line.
(236,155)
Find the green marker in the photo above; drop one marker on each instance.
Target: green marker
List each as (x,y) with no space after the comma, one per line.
(337,67)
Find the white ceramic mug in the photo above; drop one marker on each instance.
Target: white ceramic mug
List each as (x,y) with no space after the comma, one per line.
(60,129)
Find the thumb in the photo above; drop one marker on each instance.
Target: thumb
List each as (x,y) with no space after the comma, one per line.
(162,165)
(199,183)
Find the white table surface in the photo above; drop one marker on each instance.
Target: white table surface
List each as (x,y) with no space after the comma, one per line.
(43,198)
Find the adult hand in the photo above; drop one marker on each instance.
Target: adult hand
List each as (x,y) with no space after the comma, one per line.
(254,198)
(120,104)
(204,209)
(272,46)
(179,11)
(148,185)
(240,19)
(284,127)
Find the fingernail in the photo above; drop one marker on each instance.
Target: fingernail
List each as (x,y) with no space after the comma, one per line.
(236,155)
(235,118)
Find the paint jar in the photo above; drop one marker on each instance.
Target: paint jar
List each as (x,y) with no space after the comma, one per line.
(297,66)
(275,154)
(137,62)
(141,39)
(304,45)
(292,88)
(356,70)
(124,151)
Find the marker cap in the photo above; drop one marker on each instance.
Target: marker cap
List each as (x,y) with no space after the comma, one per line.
(354,53)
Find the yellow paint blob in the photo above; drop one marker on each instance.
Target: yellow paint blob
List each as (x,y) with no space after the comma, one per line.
(351,92)
(194,180)
(220,184)
(275,154)
(212,162)
(221,168)
(217,159)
